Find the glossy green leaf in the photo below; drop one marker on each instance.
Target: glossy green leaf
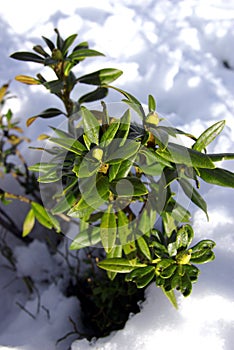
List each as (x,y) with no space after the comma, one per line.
(186,285)
(217,176)
(29,223)
(87,238)
(144,248)
(129,186)
(49,43)
(64,204)
(126,237)
(191,193)
(108,229)
(97,94)
(148,161)
(160,135)
(51,176)
(218,157)
(131,100)
(208,136)
(109,134)
(171,297)
(42,215)
(101,77)
(168,271)
(124,127)
(79,55)
(151,103)
(27,56)
(115,252)
(43,167)
(184,236)
(206,257)
(87,168)
(122,153)
(91,125)
(182,155)
(67,43)
(69,144)
(120,265)
(145,280)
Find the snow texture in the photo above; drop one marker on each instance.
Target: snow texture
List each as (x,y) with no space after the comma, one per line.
(182,53)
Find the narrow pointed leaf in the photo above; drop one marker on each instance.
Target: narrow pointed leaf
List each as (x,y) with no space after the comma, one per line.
(208,136)
(218,176)
(81,54)
(87,238)
(29,222)
(108,229)
(182,155)
(91,125)
(191,193)
(25,79)
(120,265)
(144,248)
(101,77)
(98,94)
(27,56)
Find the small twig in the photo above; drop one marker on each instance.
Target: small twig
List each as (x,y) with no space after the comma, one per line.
(25,310)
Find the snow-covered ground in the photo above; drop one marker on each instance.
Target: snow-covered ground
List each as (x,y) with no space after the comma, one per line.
(178,51)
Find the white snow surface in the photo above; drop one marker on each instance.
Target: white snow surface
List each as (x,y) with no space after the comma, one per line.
(173,49)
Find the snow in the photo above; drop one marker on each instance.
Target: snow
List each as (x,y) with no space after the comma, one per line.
(173,49)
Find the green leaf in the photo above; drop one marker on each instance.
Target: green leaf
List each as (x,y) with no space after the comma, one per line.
(81,54)
(50,113)
(182,155)
(120,265)
(151,103)
(42,167)
(160,135)
(186,285)
(87,238)
(49,43)
(98,94)
(168,223)
(131,100)
(67,43)
(64,204)
(191,193)
(218,157)
(184,236)
(122,153)
(217,176)
(144,280)
(29,222)
(69,144)
(169,271)
(171,297)
(27,56)
(109,134)
(101,77)
(126,237)
(208,136)
(148,161)
(42,215)
(116,252)
(206,257)
(108,229)
(124,127)
(91,125)
(144,248)
(128,186)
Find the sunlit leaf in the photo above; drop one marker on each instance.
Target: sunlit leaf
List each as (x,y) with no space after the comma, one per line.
(29,222)
(208,136)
